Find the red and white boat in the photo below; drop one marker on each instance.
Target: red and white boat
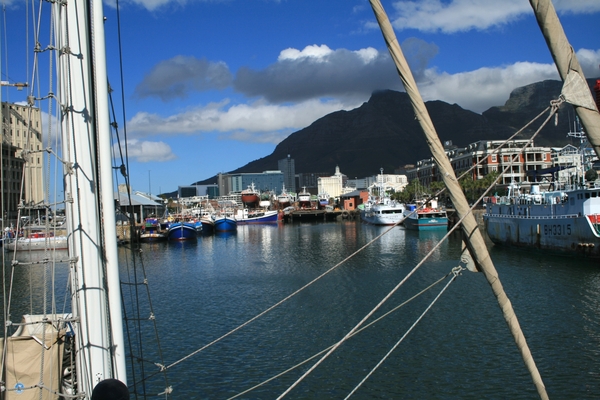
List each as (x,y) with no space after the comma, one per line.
(251,195)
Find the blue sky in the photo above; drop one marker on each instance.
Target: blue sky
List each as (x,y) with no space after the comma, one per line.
(210,85)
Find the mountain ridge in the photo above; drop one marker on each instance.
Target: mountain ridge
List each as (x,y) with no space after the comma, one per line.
(383,133)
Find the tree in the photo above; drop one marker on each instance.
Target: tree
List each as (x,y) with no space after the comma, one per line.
(591,175)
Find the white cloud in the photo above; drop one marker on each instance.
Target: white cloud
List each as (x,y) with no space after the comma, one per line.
(256,122)
(315,52)
(485,87)
(464,15)
(590,62)
(146,151)
(576,6)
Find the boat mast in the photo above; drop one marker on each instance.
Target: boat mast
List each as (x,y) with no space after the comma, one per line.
(471,233)
(82,89)
(575,90)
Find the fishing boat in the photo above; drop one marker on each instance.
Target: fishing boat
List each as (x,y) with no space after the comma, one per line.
(208,225)
(563,221)
(560,216)
(323,199)
(225,223)
(152,231)
(250,196)
(284,199)
(304,198)
(245,216)
(182,230)
(424,216)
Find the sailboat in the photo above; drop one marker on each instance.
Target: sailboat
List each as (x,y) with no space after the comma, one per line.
(78,352)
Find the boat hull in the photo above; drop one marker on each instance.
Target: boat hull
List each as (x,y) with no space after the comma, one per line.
(30,244)
(374,217)
(182,231)
(251,198)
(267,217)
(426,223)
(565,222)
(208,226)
(559,234)
(153,237)
(225,224)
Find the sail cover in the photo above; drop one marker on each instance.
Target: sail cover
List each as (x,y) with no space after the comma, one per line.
(26,351)
(576,91)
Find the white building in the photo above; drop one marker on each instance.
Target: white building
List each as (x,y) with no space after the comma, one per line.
(21,126)
(332,185)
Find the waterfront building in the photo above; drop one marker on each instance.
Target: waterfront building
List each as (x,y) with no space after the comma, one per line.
(332,185)
(210,190)
(21,127)
(310,180)
(520,158)
(264,181)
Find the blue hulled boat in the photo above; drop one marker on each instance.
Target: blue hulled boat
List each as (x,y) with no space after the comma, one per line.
(182,231)
(225,223)
(257,217)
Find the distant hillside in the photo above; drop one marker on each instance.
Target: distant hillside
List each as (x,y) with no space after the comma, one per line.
(383,133)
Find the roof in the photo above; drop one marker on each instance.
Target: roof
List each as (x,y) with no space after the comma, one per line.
(354,193)
(136,200)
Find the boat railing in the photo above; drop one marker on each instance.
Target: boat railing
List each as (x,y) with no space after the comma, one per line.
(536,217)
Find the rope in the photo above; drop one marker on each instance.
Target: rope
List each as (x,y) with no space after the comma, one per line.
(554,109)
(355,333)
(455,271)
(280,301)
(386,298)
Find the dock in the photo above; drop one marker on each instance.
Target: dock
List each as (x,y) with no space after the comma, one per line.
(319,215)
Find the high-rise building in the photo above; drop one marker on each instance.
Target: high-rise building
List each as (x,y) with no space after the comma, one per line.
(10,180)
(21,127)
(287,167)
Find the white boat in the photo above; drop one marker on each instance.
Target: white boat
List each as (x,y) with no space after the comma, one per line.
(37,243)
(284,199)
(323,199)
(245,216)
(381,209)
(304,198)
(386,212)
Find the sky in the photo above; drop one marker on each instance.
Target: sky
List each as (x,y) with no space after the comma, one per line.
(207,86)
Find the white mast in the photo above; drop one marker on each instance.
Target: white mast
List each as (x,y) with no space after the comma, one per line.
(86,135)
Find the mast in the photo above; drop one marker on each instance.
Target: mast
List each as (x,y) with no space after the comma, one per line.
(471,233)
(83,92)
(575,89)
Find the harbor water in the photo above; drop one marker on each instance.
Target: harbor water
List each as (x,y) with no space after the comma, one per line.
(460,349)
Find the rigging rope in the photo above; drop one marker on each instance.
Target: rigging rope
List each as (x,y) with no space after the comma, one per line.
(456,272)
(355,333)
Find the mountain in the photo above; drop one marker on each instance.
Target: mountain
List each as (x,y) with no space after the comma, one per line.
(383,132)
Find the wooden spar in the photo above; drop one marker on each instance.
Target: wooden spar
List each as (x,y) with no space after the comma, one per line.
(567,64)
(473,238)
